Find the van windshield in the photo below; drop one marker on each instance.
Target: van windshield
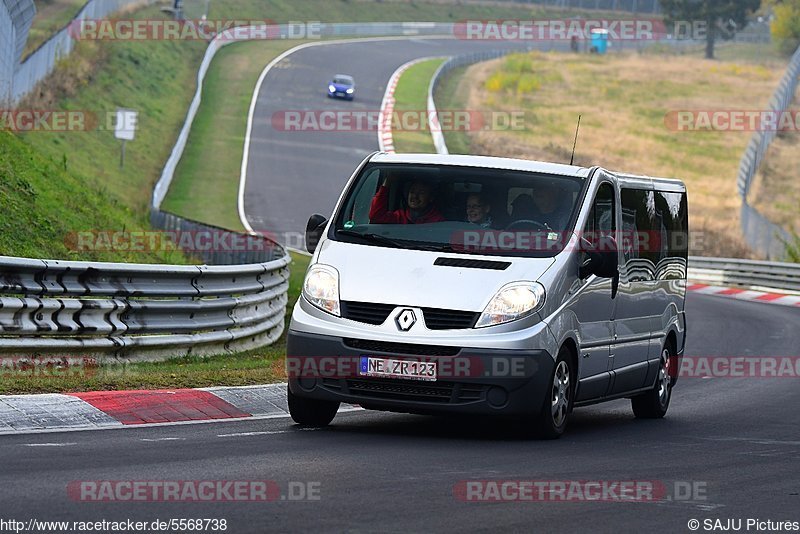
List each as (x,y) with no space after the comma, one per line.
(459,209)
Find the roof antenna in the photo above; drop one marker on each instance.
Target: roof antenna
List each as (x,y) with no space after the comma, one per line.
(572,157)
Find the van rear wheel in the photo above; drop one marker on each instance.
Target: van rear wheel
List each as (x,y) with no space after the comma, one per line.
(554,415)
(311,412)
(654,403)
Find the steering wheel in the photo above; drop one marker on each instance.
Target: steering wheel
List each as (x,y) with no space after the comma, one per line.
(522,224)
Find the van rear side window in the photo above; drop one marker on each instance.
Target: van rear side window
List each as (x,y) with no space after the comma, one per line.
(655,238)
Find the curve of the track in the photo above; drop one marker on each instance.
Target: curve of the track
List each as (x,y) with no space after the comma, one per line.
(396,473)
(291,175)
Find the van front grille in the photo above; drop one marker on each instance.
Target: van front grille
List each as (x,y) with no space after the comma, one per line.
(366,312)
(435,318)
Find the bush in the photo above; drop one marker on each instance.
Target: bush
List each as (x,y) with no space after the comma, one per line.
(785,27)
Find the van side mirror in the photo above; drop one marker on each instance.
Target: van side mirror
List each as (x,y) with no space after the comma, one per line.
(314,228)
(599,259)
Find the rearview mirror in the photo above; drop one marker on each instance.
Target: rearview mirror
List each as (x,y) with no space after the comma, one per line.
(314,228)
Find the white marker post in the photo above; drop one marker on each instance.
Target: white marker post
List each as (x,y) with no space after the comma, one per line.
(125,129)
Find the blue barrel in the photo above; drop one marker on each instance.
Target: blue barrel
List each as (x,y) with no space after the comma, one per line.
(599,40)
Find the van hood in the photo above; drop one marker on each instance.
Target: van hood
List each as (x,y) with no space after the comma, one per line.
(409,277)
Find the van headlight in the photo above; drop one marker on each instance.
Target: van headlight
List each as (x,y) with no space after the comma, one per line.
(321,288)
(512,302)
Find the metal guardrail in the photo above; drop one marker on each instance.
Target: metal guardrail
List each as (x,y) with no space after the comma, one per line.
(760,233)
(213,245)
(7,57)
(135,312)
(745,273)
(43,60)
(16,17)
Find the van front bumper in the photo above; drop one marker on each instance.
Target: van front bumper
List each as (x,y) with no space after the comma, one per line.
(469,380)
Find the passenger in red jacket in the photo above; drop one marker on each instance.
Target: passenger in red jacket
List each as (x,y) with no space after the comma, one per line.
(420,208)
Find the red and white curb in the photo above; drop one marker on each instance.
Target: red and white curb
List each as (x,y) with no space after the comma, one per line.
(95,410)
(746,294)
(385,138)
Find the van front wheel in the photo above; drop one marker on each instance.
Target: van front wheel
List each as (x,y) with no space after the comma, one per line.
(311,412)
(654,403)
(558,401)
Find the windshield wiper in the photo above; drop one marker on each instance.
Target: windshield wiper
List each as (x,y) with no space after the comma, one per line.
(373,238)
(397,243)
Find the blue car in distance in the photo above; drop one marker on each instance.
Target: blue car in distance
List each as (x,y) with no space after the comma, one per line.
(342,86)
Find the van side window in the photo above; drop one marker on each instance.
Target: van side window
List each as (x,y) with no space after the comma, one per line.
(643,233)
(601,221)
(671,207)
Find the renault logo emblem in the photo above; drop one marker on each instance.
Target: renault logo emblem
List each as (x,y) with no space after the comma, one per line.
(405,319)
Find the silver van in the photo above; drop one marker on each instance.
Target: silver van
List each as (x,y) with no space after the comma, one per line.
(479,285)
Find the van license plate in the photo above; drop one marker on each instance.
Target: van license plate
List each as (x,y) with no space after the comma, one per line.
(387,368)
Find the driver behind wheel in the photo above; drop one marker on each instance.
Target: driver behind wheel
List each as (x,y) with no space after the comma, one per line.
(548,199)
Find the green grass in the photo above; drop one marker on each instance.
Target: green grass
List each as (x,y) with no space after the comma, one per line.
(51,16)
(206,182)
(42,203)
(411,96)
(723,51)
(155,78)
(257,366)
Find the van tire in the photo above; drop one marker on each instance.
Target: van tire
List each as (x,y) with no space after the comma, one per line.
(311,412)
(655,403)
(557,406)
